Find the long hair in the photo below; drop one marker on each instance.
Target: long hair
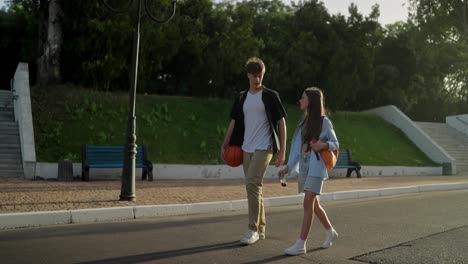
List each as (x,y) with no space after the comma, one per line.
(314,114)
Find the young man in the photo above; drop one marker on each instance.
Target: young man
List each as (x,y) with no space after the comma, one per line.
(259,128)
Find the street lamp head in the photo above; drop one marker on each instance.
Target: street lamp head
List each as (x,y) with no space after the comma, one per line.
(118,10)
(147,8)
(173,10)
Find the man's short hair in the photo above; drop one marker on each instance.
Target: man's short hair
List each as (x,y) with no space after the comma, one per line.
(255,65)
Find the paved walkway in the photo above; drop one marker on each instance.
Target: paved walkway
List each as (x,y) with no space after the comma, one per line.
(28,196)
(429,228)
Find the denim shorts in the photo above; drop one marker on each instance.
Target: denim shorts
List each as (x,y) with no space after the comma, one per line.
(308,183)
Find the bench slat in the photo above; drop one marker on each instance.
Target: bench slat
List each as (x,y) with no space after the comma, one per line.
(113,165)
(344,166)
(111,157)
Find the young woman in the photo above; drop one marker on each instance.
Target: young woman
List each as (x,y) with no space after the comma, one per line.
(314,133)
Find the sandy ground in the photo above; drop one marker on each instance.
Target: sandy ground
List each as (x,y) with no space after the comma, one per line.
(26,195)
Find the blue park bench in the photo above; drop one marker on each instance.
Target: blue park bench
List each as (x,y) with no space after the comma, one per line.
(112,157)
(345,162)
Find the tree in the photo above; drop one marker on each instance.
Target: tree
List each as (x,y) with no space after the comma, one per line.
(18,43)
(443,39)
(46,16)
(49,61)
(101,57)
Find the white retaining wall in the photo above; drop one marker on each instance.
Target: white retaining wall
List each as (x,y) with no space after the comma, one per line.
(23,115)
(177,171)
(394,116)
(459,122)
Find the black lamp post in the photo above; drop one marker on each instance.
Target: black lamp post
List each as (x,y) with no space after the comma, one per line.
(127,192)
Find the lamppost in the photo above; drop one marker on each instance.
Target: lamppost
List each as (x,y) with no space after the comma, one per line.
(127,192)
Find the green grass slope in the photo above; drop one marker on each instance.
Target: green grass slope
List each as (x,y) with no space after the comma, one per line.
(184,130)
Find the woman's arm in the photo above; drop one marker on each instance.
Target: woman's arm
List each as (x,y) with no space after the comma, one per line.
(332,140)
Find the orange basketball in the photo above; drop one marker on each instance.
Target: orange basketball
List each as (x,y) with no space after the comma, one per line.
(233,156)
(329,157)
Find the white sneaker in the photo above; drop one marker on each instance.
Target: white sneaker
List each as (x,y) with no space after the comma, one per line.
(298,248)
(249,237)
(332,235)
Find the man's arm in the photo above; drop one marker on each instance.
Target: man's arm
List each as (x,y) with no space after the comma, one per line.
(280,156)
(227,138)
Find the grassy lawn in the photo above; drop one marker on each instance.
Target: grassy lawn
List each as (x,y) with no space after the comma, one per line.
(184,130)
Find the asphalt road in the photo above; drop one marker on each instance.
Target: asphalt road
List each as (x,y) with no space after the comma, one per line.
(425,228)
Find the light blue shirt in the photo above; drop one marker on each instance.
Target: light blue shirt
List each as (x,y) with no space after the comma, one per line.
(316,167)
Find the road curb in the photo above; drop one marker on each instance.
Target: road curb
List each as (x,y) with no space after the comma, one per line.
(45,218)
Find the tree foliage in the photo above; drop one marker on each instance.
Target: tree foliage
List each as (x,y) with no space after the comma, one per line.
(441,41)
(359,64)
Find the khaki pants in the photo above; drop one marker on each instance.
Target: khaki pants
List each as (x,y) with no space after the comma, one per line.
(255,165)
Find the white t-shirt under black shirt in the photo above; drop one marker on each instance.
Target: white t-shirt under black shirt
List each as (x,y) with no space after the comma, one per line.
(257,135)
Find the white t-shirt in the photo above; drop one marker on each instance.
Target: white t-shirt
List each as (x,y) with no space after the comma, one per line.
(257,135)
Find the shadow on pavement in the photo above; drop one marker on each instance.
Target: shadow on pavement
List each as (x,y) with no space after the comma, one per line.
(167,254)
(280,257)
(268,260)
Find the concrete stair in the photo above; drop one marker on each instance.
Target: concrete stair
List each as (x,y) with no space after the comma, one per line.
(10,149)
(452,141)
